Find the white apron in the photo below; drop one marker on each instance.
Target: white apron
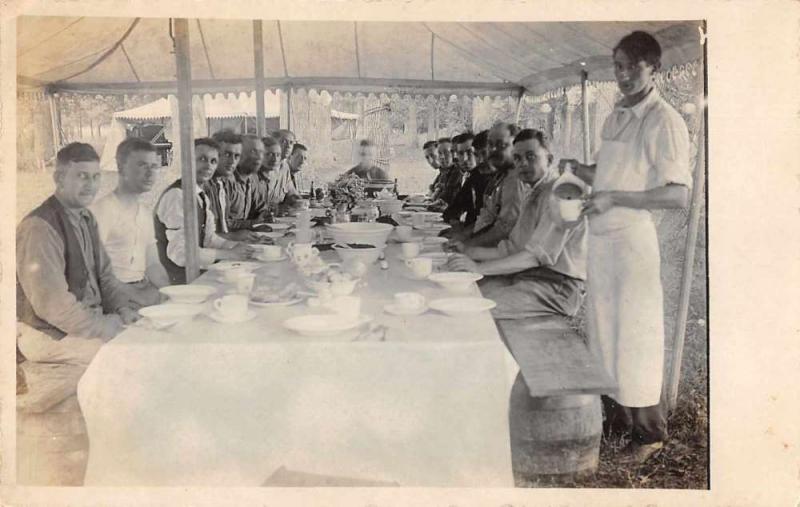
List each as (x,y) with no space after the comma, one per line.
(625,309)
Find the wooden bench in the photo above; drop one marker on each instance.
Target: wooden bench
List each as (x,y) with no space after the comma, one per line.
(555,415)
(52,444)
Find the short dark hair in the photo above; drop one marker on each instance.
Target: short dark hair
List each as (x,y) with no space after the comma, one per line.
(251,137)
(366,142)
(281,133)
(538,135)
(298,147)
(128,146)
(206,141)
(430,144)
(269,141)
(510,127)
(443,140)
(463,138)
(640,46)
(227,136)
(76,152)
(481,140)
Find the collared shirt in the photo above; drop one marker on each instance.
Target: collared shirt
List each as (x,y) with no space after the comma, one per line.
(643,147)
(275,185)
(218,195)
(126,232)
(540,231)
(40,270)
(241,192)
(170,212)
(300,182)
(501,207)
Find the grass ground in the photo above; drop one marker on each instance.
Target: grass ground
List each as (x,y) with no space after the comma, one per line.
(683,463)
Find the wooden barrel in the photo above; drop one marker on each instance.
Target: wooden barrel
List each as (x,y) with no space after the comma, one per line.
(52,446)
(553,437)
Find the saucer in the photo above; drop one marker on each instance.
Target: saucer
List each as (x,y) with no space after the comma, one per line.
(283,257)
(215,315)
(399,310)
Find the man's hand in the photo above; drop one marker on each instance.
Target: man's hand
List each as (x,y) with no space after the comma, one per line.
(598,202)
(242,251)
(462,263)
(144,297)
(128,315)
(455,245)
(243,235)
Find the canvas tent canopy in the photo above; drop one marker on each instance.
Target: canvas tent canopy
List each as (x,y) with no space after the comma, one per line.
(127,55)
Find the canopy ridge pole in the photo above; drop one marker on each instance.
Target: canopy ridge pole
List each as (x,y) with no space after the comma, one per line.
(433,41)
(520,99)
(183,65)
(585,115)
(358,51)
(470,55)
(700,176)
(205,49)
(283,51)
(130,63)
(107,53)
(258,57)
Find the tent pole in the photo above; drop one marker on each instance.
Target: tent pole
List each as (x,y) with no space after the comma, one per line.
(289,109)
(689,250)
(258,56)
(54,122)
(183,65)
(520,99)
(585,115)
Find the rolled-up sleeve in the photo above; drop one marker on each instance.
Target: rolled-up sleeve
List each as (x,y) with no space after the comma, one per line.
(40,271)
(514,192)
(550,236)
(667,150)
(170,212)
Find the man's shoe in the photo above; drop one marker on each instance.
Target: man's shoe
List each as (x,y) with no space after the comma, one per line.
(636,454)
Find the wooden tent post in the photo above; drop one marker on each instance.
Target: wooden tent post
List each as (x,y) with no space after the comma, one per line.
(585,116)
(258,60)
(54,122)
(183,65)
(689,251)
(520,99)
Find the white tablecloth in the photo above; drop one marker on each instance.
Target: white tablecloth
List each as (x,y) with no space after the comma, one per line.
(209,404)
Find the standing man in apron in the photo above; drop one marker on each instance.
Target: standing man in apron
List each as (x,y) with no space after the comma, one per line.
(642,164)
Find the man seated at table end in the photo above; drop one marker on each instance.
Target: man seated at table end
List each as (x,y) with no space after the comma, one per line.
(541,268)
(68,300)
(168,220)
(366,168)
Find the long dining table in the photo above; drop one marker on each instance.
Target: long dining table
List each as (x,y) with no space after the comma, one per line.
(210,404)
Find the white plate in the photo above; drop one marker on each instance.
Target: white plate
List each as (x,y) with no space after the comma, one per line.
(283,257)
(226,265)
(170,313)
(323,325)
(189,294)
(459,306)
(399,310)
(215,315)
(280,226)
(455,281)
(289,302)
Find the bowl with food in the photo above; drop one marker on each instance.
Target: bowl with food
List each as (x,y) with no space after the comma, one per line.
(370,233)
(363,252)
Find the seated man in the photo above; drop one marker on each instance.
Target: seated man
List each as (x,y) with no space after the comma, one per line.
(68,300)
(541,268)
(502,204)
(431,152)
(225,189)
(126,225)
(470,156)
(296,162)
(274,180)
(366,168)
(168,220)
(446,190)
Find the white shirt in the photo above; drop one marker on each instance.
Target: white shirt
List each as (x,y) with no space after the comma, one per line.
(126,232)
(170,212)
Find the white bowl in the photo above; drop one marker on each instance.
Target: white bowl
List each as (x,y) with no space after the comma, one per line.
(456,281)
(190,294)
(460,306)
(170,313)
(370,233)
(365,255)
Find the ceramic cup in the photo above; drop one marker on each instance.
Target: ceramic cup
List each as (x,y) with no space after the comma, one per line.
(570,209)
(270,252)
(410,250)
(404,232)
(421,267)
(349,307)
(232,275)
(409,300)
(233,306)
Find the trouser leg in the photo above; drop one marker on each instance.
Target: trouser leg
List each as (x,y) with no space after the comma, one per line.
(522,297)
(616,418)
(649,424)
(41,348)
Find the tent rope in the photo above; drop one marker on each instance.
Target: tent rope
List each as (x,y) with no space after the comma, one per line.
(107,53)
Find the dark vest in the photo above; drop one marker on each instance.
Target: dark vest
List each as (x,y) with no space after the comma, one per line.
(75,271)
(177,274)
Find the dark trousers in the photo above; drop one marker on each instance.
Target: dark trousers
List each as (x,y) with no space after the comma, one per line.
(645,424)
